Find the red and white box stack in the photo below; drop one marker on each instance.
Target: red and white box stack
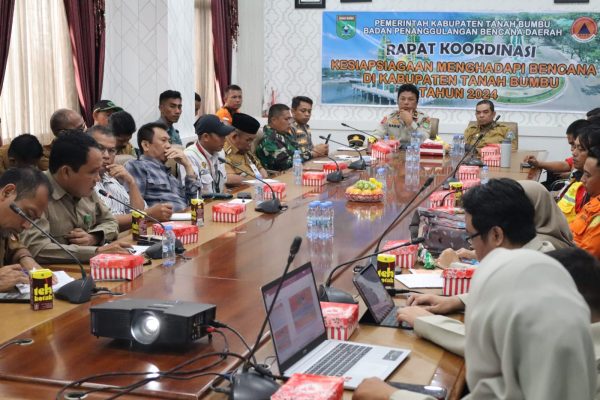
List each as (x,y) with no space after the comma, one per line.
(431,148)
(112,267)
(380,151)
(228,212)
(441,198)
(340,319)
(490,155)
(331,167)
(313,178)
(183,231)
(457,280)
(470,183)
(278,187)
(393,143)
(406,256)
(468,173)
(492,161)
(311,387)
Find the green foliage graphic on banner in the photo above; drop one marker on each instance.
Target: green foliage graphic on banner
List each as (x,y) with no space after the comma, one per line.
(521,61)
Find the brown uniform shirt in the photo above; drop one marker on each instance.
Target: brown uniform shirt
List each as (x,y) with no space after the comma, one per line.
(8,247)
(42,163)
(242,161)
(496,134)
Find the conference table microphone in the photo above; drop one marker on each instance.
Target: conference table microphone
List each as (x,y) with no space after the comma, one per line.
(154,251)
(258,383)
(337,175)
(359,164)
(272,206)
(331,294)
(361,131)
(76,292)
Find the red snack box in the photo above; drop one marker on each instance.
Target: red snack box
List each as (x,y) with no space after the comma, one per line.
(228,212)
(380,151)
(340,319)
(492,161)
(470,183)
(183,231)
(106,267)
(441,198)
(331,167)
(468,173)
(430,148)
(457,280)
(312,178)
(406,257)
(393,143)
(311,387)
(489,150)
(278,187)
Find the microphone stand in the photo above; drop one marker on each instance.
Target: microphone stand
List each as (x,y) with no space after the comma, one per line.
(337,175)
(76,292)
(254,385)
(356,165)
(272,206)
(328,293)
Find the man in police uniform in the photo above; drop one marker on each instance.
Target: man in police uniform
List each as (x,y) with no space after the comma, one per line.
(400,124)
(301,111)
(238,150)
(205,152)
(494,132)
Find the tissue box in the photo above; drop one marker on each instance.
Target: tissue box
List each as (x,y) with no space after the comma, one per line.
(441,198)
(106,267)
(312,178)
(229,212)
(331,167)
(380,151)
(183,231)
(491,161)
(278,187)
(430,148)
(311,387)
(340,319)
(406,257)
(457,280)
(468,173)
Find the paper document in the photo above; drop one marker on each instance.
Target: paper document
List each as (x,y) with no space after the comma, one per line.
(138,250)
(346,148)
(243,201)
(62,277)
(181,216)
(253,181)
(415,281)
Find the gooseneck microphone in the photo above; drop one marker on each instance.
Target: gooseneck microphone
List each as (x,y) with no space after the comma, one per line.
(76,292)
(272,206)
(328,293)
(336,176)
(257,384)
(359,164)
(361,131)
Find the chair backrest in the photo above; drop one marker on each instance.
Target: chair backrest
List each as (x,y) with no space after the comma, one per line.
(435,123)
(259,137)
(512,126)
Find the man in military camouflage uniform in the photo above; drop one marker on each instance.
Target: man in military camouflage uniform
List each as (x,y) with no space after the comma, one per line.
(494,132)
(276,149)
(237,150)
(400,124)
(301,111)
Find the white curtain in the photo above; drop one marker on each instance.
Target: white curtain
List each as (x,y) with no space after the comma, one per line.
(39,76)
(206,80)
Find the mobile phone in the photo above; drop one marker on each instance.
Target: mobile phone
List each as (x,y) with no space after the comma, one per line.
(244,195)
(525,165)
(434,391)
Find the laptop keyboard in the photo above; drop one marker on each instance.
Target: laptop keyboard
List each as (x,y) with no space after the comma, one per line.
(339,360)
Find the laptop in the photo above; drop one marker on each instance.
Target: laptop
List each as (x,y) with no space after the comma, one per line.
(300,338)
(380,305)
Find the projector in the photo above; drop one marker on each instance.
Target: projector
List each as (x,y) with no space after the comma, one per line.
(152,322)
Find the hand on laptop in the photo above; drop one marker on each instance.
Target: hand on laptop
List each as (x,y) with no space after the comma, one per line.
(373,389)
(436,304)
(410,314)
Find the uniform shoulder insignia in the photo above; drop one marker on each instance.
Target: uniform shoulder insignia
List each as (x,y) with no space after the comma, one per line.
(595,221)
(228,151)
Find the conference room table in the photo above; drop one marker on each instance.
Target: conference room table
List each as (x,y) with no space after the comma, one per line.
(227,267)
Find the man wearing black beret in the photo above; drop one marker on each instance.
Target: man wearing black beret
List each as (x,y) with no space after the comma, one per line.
(238,150)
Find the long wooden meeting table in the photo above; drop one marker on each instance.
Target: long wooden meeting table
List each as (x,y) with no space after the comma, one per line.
(227,267)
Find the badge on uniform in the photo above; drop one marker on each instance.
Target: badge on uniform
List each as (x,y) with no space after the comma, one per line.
(203,164)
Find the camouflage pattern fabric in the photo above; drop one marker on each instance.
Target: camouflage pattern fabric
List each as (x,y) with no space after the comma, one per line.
(276,149)
(302,136)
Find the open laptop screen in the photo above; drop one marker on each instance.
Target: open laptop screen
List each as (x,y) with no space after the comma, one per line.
(379,302)
(296,321)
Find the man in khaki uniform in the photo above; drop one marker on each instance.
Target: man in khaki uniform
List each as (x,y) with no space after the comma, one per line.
(494,132)
(238,150)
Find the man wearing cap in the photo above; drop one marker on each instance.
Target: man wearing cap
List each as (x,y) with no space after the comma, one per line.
(205,152)
(238,150)
(102,110)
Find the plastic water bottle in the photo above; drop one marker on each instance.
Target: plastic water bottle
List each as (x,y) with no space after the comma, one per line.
(311,220)
(327,229)
(485,175)
(297,164)
(381,176)
(258,191)
(168,247)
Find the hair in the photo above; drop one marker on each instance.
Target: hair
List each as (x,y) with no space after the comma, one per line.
(121,123)
(408,87)
(589,136)
(232,87)
(594,152)
(71,148)
(503,203)
(146,132)
(103,130)
(26,180)
(593,114)
(168,94)
(26,148)
(585,271)
(197,97)
(488,102)
(299,99)
(576,127)
(276,109)
(59,120)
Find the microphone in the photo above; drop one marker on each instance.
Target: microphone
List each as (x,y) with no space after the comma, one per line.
(76,292)
(256,384)
(327,138)
(356,165)
(361,131)
(272,206)
(154,251)
(337,175)
(328,293)
(474,161)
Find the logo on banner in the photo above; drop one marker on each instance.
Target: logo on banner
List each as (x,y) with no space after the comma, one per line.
(584,29)
(346,26)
